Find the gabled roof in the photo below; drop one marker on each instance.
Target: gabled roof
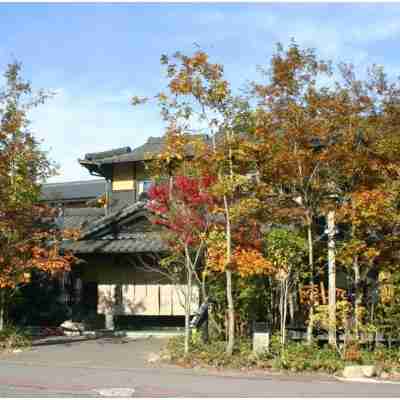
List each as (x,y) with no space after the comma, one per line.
(95,162)
(73,191)
(77,218)
(120,232)
(105,224)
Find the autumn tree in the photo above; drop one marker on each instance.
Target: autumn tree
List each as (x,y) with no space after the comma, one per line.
(323,136)
(28,239)
(286,249)
(293,140)
(199,100)
(183,207)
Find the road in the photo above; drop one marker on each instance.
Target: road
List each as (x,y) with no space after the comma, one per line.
(80,369)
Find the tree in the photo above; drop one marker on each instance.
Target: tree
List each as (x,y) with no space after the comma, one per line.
(28,239)
(293,130)
(183,207)
(199,100)
(286,249)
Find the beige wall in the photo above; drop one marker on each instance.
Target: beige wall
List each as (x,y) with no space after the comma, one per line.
(148,299)
(126,290)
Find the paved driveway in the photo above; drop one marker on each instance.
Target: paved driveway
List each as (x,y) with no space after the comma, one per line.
(78,369)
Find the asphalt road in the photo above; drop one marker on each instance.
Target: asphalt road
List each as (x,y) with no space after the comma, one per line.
(79,369)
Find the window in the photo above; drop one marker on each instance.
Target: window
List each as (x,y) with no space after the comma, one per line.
(144,186)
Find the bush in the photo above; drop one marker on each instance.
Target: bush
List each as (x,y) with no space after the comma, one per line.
(11,338)
(211,354)
(301,357)
(296,357)
(384,358)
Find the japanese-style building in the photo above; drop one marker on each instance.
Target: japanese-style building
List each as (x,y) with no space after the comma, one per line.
(118,250)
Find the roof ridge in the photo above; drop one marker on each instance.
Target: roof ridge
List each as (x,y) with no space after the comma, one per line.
(102,222)
(80,182)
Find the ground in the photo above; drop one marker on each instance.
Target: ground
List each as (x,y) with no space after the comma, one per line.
(79,368)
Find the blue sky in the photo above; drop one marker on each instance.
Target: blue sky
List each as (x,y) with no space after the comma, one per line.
(95,56)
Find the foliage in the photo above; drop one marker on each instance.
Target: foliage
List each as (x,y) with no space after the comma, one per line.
(296,357)
(212,354)
(27,238)
(12,338)
(309,139)
(37,302)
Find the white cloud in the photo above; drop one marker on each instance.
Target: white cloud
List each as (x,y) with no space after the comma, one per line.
(72,125)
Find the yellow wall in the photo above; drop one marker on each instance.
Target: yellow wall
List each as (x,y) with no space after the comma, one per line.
(123,178)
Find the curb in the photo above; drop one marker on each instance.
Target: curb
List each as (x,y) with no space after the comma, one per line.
(366,380)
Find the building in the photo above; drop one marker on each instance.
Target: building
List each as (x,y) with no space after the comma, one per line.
(78,194)
(119,251)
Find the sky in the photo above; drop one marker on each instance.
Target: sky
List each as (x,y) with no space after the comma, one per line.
(96,56)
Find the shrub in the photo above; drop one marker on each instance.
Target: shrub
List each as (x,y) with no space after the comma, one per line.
(211,354)
(296,357)
(301,357)
(11,338)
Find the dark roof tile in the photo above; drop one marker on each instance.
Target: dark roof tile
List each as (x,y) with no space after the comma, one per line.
(73,190)
(151,148)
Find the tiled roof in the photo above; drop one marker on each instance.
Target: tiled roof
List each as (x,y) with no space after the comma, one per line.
(100,224)
(76,218)
(98,235)
(151,148)
(107,154)
(149,242)
(73,190)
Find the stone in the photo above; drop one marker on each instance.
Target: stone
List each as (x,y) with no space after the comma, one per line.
(385,375)
(166,357)
(261,341)
(369,370)
(109,321)
(153,358)
(72,326)
(353,371)
(17,351)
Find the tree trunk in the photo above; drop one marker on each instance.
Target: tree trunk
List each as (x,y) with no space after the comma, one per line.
(358,296)
(228,273)
(283,307)
(231,313)
(311,266)
(1,309)
(281,295)
(188,299)
(291,306)
(331,279)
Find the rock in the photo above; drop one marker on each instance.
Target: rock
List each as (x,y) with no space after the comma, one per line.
(261,342)
(153,358)
(353,371)
(166,357)
(72,326)
(385,375)
(369,370)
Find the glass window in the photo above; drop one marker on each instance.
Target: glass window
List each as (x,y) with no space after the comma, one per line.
(144,186)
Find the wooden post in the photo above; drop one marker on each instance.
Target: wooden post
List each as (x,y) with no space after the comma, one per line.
(332,278)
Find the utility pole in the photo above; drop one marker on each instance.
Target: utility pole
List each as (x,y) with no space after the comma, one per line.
(331,230)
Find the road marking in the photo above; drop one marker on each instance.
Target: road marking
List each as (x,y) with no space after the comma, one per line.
(115,392)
